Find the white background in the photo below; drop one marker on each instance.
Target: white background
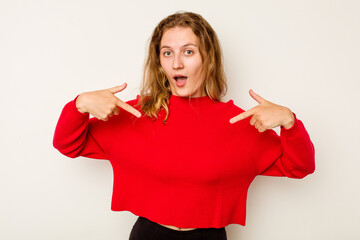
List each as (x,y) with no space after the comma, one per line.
(301,54)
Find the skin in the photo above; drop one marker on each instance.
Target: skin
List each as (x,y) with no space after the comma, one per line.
(266,115)
(103,104)
(179,54)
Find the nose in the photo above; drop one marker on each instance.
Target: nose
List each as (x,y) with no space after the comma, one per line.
(177,62)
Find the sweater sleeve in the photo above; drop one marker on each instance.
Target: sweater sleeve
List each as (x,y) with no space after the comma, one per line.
(78,135)
(292,154)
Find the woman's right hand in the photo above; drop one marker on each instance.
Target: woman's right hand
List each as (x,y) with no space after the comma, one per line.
(103,104)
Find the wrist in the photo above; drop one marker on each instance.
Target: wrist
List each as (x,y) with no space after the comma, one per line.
(79,103)
(290,120)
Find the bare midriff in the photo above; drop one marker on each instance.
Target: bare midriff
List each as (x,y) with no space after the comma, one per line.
(177,228)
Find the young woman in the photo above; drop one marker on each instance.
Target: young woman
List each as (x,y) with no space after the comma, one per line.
(182,159)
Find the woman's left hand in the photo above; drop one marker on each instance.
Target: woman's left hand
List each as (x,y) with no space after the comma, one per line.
(266,115)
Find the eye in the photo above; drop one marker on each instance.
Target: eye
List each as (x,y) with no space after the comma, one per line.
(188,52)
(167,53)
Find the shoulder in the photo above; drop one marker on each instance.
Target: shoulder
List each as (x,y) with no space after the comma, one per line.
(243,127)
(134,102)
(223,111)
(230,107)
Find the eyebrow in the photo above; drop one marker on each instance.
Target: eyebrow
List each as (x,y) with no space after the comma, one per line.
(186,45)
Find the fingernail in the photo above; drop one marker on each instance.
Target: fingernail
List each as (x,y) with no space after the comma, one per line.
(138,115)
(231,120)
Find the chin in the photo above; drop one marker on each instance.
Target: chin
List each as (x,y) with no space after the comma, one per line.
(186,93)
(182,94)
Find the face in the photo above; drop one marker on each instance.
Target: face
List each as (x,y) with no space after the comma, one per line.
(181,61)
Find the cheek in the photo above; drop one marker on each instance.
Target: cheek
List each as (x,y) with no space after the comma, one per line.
(197,67)
(165,67)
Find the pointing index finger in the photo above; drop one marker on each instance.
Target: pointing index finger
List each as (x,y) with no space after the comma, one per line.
(242,116)
(128,108)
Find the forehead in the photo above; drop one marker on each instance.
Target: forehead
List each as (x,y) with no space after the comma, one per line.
(178,36)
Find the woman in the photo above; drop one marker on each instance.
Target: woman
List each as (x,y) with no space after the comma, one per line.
(182,159)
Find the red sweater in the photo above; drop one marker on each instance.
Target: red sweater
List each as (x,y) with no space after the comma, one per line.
(192,172)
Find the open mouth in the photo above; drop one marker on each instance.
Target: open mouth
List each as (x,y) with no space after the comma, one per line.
(179,78)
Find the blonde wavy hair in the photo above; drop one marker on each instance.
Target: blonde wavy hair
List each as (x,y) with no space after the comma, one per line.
(155,88)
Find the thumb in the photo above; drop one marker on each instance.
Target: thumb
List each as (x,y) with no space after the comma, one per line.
(117,89)
(256,97)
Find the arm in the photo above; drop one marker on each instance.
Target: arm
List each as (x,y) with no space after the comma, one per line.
(291,154)
(77,135)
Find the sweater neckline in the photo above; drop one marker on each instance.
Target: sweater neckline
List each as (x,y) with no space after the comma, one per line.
(188,101)
(190,105)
